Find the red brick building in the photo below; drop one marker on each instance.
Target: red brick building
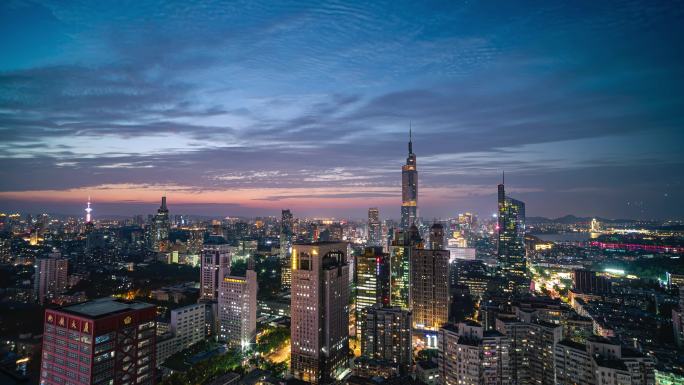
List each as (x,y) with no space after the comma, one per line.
(106,341)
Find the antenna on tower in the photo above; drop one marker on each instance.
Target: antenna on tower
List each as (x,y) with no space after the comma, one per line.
(503,177)
(410,137)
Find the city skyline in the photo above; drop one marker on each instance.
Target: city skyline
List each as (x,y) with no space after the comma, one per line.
(247,109)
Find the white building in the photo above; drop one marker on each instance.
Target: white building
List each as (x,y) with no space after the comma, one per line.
(188,324)
(237,308)
(469,355)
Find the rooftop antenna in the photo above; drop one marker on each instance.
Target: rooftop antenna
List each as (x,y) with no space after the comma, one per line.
(410,138)
(503,177)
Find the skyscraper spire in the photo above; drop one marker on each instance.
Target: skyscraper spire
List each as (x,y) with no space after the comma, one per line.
(503,176)
(410,138)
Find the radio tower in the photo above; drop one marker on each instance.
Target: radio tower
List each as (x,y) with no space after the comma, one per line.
(88,210)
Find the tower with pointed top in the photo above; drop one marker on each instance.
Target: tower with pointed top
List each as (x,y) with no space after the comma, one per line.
(161,228)
(88,210)
(511,240)
(409,188)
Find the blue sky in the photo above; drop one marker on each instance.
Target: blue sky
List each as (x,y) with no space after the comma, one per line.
(238,108)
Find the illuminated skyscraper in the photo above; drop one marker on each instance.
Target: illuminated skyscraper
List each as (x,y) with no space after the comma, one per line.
(372,279)
(409,189)
(286,238)
(237,306)
(161,228)
(374,227)
(402,246)
(320,312)
(511,239)
(429,288)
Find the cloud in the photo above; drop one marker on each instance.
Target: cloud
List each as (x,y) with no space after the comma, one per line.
(306,95)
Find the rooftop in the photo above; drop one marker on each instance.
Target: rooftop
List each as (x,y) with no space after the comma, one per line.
(104,306)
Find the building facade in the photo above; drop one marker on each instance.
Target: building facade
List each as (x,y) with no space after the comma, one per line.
(237,308)
(386,336)
(374,227)
(287,236)
(470,355)
(409,189)
(511,241)
(429,288)
(161,226)
(51,277)
(214,264)
(188,324)
(320,312)
(105,341)
(372,282)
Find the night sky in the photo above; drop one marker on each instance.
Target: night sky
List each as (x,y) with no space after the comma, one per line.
(244,108)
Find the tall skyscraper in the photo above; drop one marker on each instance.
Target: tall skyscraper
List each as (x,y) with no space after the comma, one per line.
(161,228)
(429,289)
(320,311)
(105,341)
(511,240)
(372,281)
(50,277)
(403,245)
(214,265)
(386,335)
(409,189)
(286,239)
(374,227)
(237,307)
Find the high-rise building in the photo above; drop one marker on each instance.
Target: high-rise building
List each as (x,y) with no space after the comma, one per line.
(511,240)
(374,227)
(386,335)
(372,282)
(161,228)
(286,238)
(319,312)
(188,324)
(471,355)
(51,277)
(214,264)
(409,189)
(105,341)
(401,248)
(429,289)
(237,307)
